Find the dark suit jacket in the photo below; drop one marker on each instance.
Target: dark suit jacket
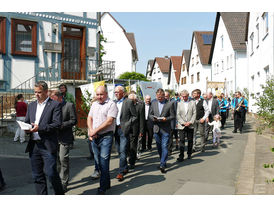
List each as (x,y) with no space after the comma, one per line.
(50,121)
(167,112)
(69,120)
(173,122)
(214,109)
(128,116)
(139,126)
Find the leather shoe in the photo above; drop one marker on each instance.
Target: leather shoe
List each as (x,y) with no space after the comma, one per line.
(234,131)
(189,157)
(100,192)
(180,159)
(120,177)
(125,171)
(131,167)
(163,169)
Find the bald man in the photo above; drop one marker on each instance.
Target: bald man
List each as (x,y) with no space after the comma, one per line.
(101,126)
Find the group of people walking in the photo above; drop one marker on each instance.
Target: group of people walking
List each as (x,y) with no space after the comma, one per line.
(131,123)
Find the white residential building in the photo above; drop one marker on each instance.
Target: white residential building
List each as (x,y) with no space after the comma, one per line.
(260,52)
(160,70)
(199,69)
(149,67)
(120,46)
(184,74)
(174,73)
(228,52)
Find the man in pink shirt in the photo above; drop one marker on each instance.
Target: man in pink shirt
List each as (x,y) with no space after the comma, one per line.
(101,126)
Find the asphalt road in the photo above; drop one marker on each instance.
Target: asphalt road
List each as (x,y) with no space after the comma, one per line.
(212,172)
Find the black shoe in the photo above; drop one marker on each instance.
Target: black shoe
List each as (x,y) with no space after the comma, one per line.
(100,192)
(163,169)
(189,157)
(222,127)
(180,159)
(177,147)
(131,167)
(234,131)
(65,189)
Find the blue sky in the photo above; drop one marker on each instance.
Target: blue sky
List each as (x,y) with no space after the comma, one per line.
(160,34)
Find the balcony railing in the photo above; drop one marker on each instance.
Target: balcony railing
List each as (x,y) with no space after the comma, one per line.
(95,70)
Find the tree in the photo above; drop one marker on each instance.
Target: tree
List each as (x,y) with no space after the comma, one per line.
(133,75)
(266,106)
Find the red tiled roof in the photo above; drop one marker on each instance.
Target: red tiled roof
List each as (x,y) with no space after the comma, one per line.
(203,49)
(176,62)
(164,64)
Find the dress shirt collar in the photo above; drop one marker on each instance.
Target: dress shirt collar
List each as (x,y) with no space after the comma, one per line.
(44,102)
(120,101)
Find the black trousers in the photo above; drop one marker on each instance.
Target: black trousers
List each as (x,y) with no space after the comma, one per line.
(132,149)
(223,120)
(2,182)
(238,119)
(183,134)
(173,132)
(148,136)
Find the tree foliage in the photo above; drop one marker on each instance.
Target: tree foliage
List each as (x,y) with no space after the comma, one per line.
(266,106)
(133,75)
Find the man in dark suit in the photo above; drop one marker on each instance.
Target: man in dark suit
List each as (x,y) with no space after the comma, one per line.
(45,115)
(148,127)
(125,120)
(138,128)
(213,107)
(65,137)
(161,113)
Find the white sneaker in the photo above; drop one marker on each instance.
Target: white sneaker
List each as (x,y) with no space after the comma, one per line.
(95,175)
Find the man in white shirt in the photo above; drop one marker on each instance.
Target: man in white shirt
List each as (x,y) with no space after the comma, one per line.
(46,117)
(201,115)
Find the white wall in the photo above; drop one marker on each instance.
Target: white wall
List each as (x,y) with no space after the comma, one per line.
(225,60)
(261,57)
(117,47)
(92,37)
(1,69)
(173,83)
(80,14)
(158,76)
(195,68)
(22,70)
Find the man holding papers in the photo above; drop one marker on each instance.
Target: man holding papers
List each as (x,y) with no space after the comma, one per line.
(45,115)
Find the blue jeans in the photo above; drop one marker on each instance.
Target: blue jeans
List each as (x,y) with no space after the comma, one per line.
(121,142)
(101,147)
(44,163)
(161,139)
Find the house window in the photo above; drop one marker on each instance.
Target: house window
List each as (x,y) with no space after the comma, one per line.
(198,76)
(265,23)
(231,60)
(227,62)
(192,78)
(197,59)
(222,42)
(23,37)
(251,43)
(223,67)
(184,67)
(266,69)
(2,35)
(182,81)
(159,79)
(258,34)
(192,60)
(252,83)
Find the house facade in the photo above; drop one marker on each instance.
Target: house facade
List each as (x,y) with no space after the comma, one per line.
(120,46)
(184,80)
(260,53)
(174,73)
(199,68)
(148,70)
(47,46)
(228,53)
(160,71)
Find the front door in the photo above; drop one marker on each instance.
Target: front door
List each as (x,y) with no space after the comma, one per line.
(73,52)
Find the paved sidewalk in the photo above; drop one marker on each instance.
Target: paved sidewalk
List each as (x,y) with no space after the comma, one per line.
(253,176)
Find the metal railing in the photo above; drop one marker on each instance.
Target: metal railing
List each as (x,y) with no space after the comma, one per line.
(53,77)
